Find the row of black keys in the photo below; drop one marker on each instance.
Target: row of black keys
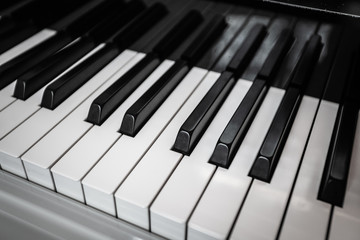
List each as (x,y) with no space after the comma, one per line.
(192,130)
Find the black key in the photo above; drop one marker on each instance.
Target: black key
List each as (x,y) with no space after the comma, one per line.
(266,162)
(138,114)
(141,110)
(22,63)
(140,25)
(107,102)
(239,123)
(178,33)
(204,40)
(80,20)
(334,179)
(276,55)
(247,50)
(271,149)
(25,61)
(47,70)
(63,87)
(116,20)
(196,124)
(16,35)
(307,61)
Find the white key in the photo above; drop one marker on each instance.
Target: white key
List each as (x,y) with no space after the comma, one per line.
(20,110)
(6,96)
(16,143)
(112,169)
(45,153)
(261,214)
(173,206)
(26,45)
(216,211)
(135,195)
(307,217)
(76,163)
(345,222)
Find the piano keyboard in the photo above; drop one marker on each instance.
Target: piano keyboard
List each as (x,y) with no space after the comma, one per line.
(196,120)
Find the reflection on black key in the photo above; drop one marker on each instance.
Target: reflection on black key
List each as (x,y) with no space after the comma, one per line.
(137,115)
(25,61)
(271,149)
(247,50)
(111,98)
(106,103)
(239,123)
(204,40)
(334,178)
(141,110)
(266,162)
(59,90)
(19,65)
(196,124)
(47,70)
(276,55)
(140,25)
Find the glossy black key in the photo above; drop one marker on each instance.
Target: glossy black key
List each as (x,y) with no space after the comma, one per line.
(334,179)
(140,25)
(204,40)
(268,157)
(25,61)
(22,63)
(271,149)
(239,123)
(110,99)
(196,124)
(63,87)
(178,33)
(142,109)
(106,103)
(247,50)
(276,55)
(138,114)
(47,70)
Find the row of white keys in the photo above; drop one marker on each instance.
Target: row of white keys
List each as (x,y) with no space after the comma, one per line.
(44,154)
(216,211)
(76,163)
(307,217)
(17,142)
(20,110)
(262,211)
(103,180)
(26,45)
(345,222)
(136,193)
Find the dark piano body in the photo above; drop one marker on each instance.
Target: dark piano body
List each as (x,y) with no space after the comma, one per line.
(238,120)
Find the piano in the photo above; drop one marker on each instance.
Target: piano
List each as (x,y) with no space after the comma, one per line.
(159,119)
